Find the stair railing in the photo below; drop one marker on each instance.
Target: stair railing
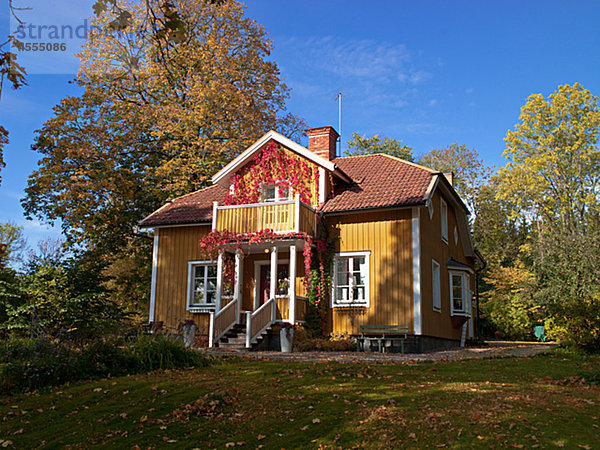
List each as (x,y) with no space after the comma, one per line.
(259,320)
(221,322)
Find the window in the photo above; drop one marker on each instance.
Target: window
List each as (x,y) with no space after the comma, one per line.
(435,282)
(202,289)
(351,279)
(275,193)
(444,219)
(458,292)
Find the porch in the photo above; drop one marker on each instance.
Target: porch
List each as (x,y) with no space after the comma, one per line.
(253,306)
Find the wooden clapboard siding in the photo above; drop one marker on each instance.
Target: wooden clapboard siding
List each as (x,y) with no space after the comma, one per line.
(177,246)
(438,324)
(388,235)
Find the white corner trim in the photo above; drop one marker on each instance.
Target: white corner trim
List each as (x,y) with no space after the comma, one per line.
(416,249)
(243,157)
(154,276)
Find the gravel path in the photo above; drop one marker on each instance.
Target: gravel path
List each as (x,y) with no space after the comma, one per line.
(493,350)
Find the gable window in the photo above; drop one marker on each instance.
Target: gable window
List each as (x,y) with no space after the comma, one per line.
(274,193)
(444,219)
(351,279)
(202,285)
(459,285)
(435,285)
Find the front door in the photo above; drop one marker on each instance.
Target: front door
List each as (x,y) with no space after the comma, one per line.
(264,287)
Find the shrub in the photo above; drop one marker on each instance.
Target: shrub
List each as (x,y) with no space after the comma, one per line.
(29,364)
(161,352)
(106,357)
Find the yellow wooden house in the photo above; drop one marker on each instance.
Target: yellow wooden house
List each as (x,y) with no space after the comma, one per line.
(403,253)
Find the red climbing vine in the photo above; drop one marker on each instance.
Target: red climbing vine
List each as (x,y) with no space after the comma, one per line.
(274,166)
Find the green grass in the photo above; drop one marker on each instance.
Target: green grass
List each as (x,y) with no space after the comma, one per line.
(542,401)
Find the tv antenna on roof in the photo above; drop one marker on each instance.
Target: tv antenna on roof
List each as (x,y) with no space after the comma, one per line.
(338,97)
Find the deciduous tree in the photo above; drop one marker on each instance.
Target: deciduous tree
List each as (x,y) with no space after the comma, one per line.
(362,145)
(172,91)
(470,173)
(553,173)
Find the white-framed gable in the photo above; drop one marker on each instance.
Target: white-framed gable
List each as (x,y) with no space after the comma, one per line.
(222,177)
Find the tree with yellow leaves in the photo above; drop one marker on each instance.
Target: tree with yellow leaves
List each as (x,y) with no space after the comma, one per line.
(552,180)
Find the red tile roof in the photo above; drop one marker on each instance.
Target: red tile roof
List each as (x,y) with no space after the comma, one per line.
(191,208)
(379,181)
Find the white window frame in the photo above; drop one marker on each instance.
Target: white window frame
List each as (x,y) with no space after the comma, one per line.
(465,291)
(444,219)
(264,188)
(436,286)
(201,307)
(351,303)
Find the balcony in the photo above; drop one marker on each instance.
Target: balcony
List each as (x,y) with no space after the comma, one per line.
(291,216)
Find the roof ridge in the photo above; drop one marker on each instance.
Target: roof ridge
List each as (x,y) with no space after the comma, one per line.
(409,163)
(394,158)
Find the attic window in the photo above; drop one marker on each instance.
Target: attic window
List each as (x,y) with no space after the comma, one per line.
(273,193)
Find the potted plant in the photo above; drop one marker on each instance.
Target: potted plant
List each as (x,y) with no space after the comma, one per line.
(286,336)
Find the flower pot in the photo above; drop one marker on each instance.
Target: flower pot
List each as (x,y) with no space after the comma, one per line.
(286,337)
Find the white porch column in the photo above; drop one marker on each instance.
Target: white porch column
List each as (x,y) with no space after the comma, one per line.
(214,217)
(292,285)
(273,287)
(297,213)
(219,281)
(237,292)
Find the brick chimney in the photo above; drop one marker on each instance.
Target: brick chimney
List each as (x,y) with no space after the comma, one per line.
(323,141)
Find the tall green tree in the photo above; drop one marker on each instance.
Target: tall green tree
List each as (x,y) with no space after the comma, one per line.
(470,173)
(553,170)
(552,182)
(362,145)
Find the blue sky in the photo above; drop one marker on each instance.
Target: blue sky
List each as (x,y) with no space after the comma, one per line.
(427,72)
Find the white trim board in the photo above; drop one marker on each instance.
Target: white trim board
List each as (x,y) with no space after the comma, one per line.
(416,250)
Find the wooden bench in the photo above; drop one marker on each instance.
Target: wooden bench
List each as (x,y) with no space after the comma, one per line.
(382,333)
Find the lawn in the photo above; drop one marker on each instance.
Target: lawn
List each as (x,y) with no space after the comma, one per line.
(547,401)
